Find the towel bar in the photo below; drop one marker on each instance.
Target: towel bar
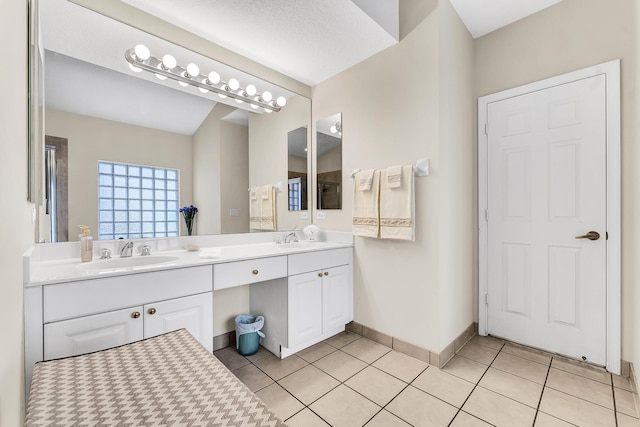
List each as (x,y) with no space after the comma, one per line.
(420,168)
(277,186)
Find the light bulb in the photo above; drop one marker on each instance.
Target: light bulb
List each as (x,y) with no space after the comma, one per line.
(333,129)
(239,101)
(254,106)
(234,84)
(142,52)
(135,69)
(161,77)
(267,110)
(183,84)
(266,96)
(251,90)
(169,61)
(281,101)
(214,78)
(203,90)
(222,95)
(193,70)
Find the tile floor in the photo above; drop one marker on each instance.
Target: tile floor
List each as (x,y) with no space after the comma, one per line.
(351,381)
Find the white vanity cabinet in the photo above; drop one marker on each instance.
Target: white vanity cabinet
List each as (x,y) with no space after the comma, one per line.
(315,303)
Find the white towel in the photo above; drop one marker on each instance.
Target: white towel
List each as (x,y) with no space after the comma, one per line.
(397,207)
(255,209)
(366,213)
(394,177)
(364,180)
(268,208)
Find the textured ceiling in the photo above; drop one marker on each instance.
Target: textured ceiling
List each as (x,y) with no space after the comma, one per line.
(308,40)
(484,16)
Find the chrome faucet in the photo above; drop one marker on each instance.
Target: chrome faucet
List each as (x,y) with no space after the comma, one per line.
(127,250)
(292,234)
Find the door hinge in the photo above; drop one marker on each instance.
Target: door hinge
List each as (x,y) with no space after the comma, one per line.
(486,129)
(486,299)
(486,214)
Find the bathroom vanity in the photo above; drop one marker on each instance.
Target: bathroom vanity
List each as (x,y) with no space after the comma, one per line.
(304,290)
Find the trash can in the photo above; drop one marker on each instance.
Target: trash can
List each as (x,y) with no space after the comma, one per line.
(248,333)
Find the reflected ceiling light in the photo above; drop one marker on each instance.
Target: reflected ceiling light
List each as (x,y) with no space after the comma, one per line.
(139,59)
(337,128)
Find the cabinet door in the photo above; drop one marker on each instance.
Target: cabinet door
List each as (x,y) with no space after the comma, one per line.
(194,313)
(305,307)
(92,333)
(336,298)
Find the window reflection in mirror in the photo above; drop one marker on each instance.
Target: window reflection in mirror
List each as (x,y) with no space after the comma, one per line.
(329,162)
(297,168)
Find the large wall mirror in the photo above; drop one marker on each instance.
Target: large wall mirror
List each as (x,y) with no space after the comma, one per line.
(329,162)
(126,149)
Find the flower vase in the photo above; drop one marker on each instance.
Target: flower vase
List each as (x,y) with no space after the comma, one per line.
(190,226)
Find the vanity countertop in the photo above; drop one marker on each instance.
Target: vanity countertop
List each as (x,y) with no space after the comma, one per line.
(68,270)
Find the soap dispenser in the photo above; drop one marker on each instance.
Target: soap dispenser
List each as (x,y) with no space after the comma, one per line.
(86,244)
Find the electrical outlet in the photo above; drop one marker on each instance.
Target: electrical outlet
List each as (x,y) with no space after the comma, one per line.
(234,212)
(304,215)
(320,215)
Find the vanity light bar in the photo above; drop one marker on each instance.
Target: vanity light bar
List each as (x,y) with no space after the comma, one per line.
(139,58)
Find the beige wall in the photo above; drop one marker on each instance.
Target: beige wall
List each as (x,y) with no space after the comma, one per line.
(571,35)
(297,164)
(330,161)
(91,140)
(17,230)
(234,168)
(636,201)
(268,154)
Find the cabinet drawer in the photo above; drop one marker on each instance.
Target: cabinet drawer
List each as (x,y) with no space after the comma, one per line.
(245,272)
(85,297)
(310,261)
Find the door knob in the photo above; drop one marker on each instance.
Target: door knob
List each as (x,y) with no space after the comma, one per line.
(592,235)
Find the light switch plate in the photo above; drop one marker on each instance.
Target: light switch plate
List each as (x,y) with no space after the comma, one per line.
(320,215)
(234,212)
(304,215)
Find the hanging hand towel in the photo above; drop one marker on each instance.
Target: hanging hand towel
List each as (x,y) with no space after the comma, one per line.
(268,208)
(366,218)
(394,177)
(397,207)
(255,209)
(364,180)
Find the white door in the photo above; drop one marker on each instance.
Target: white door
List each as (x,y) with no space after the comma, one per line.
(194,313)
(305,307)
(546,185)
(336,298)
(92,333)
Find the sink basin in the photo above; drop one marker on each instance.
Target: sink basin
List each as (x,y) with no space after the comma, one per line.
(131,262)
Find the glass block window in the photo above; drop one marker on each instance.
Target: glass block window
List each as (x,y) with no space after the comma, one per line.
(295,196)
(136,201)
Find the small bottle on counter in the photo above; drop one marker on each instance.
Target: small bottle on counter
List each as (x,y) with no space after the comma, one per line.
(86,244)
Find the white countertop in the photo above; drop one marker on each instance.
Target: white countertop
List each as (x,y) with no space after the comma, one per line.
(67,270)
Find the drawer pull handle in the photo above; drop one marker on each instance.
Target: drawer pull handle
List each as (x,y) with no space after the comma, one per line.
(151,311)
(326,273)
(135,314)
(255,272)
(319,274)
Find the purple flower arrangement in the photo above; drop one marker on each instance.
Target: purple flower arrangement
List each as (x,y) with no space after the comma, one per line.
(189,214)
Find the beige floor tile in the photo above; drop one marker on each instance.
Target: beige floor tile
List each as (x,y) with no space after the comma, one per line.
(344,407)
(512,386)
(625,402)
(444,386)
(584,388)
(479,353)
(421,409)
(574,410)
(342,339)
(465,420)
(261,354)
(498,410)
(386,419)
(315,352)
(366,350)
(582,369)
(622,382)
(253,377)
(627,421)
(401,366)
(545,420)
(528,353)
(524,368)
(466,369)
(491,342)
(230,358)
(308,384)
(278,368)
(306,418)
(279,401)
(340,365)
(376,385)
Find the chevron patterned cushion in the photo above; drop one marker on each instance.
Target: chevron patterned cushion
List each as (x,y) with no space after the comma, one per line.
(169,380)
